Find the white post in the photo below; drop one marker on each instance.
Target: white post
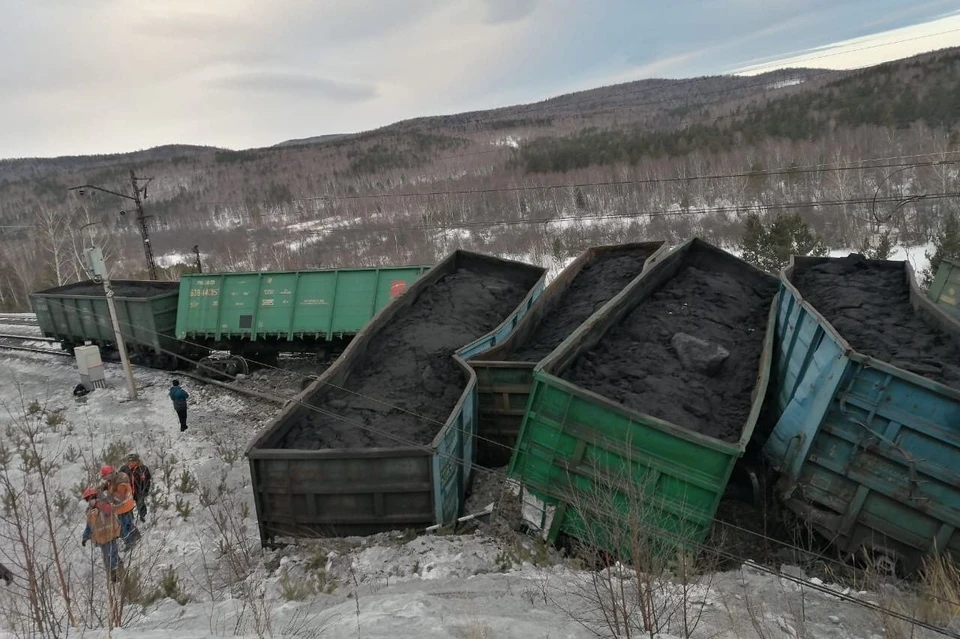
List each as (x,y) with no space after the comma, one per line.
(128,371)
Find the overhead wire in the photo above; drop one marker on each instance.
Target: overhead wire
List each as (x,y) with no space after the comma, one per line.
(659,213)
(802,170)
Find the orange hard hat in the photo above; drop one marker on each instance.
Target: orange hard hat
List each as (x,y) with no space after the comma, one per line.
(89,492)
(106,470)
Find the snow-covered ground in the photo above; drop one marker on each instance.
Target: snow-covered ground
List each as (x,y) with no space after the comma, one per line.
(202,530)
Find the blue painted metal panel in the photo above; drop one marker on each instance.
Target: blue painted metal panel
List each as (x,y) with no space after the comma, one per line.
(502,332)
(869,453)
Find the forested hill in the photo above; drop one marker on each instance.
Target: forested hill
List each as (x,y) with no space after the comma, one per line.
(635,155)
(895,95)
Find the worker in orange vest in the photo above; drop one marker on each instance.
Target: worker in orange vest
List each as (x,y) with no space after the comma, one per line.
(104,528)
(117,484)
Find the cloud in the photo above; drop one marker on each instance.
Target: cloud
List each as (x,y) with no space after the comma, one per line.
(241,73)
(298,84)
(867,50)
(504,11)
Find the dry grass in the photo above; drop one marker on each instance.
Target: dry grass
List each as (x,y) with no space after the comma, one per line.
(939,597)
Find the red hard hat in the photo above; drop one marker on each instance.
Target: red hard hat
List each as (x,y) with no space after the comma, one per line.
(89,492)
(106,470)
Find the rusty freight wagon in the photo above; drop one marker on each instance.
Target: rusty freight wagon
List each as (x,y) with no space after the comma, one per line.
(383,439)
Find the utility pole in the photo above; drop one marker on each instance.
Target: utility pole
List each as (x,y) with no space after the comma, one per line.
(196,250)
(142,220)
(138,191)
(97,266)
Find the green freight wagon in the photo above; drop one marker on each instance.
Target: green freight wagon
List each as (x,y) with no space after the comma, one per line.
(264,312)
(303,492)
(591,466)
(146,311)
(945,289)
(504,376)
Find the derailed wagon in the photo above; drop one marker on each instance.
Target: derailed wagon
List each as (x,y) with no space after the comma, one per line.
(945,288)
(258,314)
(868,451)
(146,313)
(505,372)
(383,439)
(621,437)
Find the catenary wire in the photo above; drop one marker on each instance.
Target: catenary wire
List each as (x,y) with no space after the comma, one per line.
(598,183)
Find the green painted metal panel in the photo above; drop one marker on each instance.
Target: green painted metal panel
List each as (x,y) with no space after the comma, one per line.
(199,305)
(598,466)
(277,300)
(582,451)
(355,301)
(945,289)
(503,390)
(238,302)
(147,322)
(313,312)
(287,304)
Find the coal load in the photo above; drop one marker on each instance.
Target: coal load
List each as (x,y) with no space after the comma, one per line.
(406,384)
(688,354)
(868,303)
(595,285)
(120,288)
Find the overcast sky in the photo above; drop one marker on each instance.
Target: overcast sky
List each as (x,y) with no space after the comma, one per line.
(98,76)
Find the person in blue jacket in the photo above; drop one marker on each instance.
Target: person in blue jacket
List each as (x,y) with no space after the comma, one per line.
(179,397)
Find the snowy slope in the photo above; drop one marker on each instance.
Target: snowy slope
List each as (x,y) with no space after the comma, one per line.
(389,585)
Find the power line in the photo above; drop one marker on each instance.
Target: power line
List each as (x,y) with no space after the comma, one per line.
(701,211)
(603,183)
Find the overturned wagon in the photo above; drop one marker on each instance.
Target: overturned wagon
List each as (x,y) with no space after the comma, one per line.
(505,372)
(867,440)
(635,422)
(384,438)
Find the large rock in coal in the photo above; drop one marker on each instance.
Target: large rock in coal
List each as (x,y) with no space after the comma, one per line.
(699,355)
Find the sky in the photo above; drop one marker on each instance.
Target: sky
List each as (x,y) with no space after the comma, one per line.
(103,76)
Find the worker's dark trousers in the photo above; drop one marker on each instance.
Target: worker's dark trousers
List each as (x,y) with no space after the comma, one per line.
(182,414)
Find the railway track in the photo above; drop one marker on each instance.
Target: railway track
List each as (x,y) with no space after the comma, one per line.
(12,342)
(9,342)
(17,319)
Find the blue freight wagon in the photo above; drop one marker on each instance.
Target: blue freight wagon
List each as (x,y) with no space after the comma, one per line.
(868,453)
